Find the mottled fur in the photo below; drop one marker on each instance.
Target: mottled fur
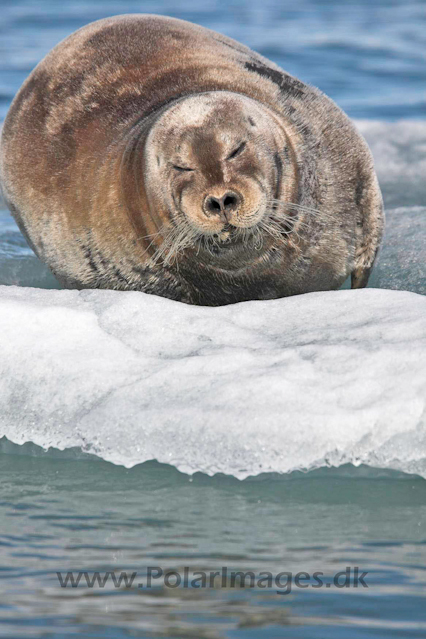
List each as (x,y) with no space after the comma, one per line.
(73,164)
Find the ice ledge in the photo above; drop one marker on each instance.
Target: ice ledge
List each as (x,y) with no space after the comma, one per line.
(297,383)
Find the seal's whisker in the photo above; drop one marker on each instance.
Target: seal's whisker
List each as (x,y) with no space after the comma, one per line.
(180,238)
(298,208)
(296,204)
(145,237)
(148,247)
(176,243)
(164,250)
(255,238)
(152,235)
(296,223)
(301,207)
(274,227)
(270,227)
(287,218)
(279,237)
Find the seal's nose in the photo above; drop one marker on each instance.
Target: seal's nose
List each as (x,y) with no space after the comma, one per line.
(223,206)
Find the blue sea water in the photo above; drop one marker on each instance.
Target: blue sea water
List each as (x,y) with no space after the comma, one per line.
(69,511)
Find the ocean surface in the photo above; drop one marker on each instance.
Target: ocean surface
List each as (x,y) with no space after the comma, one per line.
(72,510)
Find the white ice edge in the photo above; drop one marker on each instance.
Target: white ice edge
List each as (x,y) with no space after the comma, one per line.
(265,386)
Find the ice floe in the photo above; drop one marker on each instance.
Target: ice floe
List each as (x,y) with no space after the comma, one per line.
(264,386)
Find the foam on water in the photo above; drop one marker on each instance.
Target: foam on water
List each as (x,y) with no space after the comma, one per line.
(309,381)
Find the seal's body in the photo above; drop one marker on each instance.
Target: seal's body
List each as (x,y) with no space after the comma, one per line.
(151,154)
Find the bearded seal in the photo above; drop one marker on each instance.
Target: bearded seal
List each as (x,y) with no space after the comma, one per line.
(152,154)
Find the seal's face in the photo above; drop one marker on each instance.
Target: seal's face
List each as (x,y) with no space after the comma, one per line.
(212,164)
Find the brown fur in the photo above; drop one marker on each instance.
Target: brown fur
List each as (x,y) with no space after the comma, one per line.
(86,167)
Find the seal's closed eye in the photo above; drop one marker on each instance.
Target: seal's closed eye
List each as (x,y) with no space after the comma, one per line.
(182,168)
(237,151)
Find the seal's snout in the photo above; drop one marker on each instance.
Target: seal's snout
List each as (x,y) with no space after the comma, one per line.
(223,206)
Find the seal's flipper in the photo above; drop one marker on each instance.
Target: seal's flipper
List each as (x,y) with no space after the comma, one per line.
(369,227)
(360,276)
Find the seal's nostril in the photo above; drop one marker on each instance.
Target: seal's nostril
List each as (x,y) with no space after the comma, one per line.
(213,205)
(220,205)
(229,201)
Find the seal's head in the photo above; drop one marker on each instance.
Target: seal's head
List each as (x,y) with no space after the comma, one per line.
(213,164)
